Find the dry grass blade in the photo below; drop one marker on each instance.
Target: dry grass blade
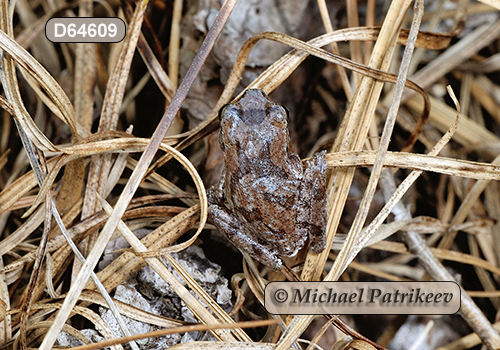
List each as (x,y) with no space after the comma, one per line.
(51,208)
(440,254)
(9,81)
(200,292)
(127,264)
(469,310)
(456,54)
(346,253)
(195,306)
(132,312)
(115,91)
(94,277)
(85,70)
(163,81)
(117,81)
(123,145)
(22,232)
(21,57)
(325,17)
(20,187)
(193,328)
(207,345)
(47,284)
(132,185)
(441,116)
(282,68)
(467,342)
(82,311)
(443,165)
(35,274)
(357,118)
(173,58)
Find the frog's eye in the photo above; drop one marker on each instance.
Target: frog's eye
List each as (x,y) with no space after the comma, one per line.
(221,111)
(277,114)
(228,110)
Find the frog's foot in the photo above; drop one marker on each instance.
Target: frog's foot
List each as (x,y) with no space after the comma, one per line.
(311,214)
(238,236)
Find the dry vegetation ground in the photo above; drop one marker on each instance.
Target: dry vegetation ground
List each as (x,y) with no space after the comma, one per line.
(77,122)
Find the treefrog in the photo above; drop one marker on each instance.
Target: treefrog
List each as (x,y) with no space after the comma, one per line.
(266,203)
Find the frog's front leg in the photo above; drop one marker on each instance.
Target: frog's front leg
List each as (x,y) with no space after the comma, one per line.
(237,234)
(311,208)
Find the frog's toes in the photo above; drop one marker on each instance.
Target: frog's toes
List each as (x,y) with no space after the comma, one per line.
(269,259)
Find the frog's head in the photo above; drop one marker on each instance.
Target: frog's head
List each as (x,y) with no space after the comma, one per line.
(253,118)
(257,107)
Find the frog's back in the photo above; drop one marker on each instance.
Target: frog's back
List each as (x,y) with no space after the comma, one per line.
(269,207)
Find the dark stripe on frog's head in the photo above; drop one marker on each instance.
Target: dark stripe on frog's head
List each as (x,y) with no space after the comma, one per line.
(254,104)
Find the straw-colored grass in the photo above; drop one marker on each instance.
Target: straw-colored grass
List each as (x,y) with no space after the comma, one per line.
(74,175)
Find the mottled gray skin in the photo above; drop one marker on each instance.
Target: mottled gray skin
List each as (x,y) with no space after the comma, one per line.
(266,203)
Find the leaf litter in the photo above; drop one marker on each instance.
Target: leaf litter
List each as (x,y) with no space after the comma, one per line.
(85,114)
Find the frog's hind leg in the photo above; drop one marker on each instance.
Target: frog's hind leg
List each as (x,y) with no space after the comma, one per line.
(311,211)
(238,236)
